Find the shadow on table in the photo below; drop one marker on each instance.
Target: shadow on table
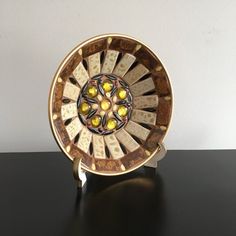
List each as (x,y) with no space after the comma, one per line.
(131,204)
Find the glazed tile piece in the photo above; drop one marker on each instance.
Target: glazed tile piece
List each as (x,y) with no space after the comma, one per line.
(124,65)
(68,111)
(109,61)
(80,74)
(71,91)
(145,117)
(149,101)
(142,87)
(84,139)
(74,128)
(137,130)
(135,74)
(113,146)
(94,65)
(126,139)
(99,146)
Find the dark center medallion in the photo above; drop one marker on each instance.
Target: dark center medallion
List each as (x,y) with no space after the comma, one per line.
(105,104)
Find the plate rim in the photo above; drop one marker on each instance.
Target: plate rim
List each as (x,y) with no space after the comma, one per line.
(52,86)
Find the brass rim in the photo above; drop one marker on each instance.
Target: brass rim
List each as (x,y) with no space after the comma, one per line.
(150,67)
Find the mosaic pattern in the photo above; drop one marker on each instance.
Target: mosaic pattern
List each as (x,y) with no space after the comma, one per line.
(104,104)
(110,103)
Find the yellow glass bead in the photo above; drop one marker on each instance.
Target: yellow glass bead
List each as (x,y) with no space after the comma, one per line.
(105,104)
(122,110)
(107,86)
(111,124)
(121,93)
(84,108)
(96,121)
(92,91)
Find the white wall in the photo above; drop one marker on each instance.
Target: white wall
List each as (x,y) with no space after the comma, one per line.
(196,41)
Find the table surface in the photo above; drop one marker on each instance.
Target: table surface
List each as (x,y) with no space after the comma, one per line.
(191,193)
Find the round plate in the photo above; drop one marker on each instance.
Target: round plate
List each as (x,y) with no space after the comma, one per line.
(110,103)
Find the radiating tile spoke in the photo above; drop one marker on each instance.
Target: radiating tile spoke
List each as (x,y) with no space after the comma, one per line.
(126,139)
(74,128)
(94,65)
(109,61)
(99,146)
(81,74)
(68,111)
(84,140)
(137,130)
(123,66)
(71,91)
(135,74)
(149,101)
(142,87)
(113,146)
(145,117)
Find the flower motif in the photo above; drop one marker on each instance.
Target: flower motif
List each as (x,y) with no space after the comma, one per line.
(104,104)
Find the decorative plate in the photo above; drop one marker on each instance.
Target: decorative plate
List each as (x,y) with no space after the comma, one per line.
(110,103)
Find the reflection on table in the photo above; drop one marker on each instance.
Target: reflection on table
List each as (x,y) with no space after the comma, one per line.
(132,204)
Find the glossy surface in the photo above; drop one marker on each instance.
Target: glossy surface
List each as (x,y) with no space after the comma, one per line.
(118,69)
(111,124)
(98,108)
(95,121)
(84,108)
(193,193)
(107,86)
(122,110)
(92,91)
(121,94)
(105,104)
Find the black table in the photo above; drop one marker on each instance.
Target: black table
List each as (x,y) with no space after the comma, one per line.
(192,193)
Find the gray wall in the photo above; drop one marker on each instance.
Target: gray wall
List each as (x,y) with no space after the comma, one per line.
(194,39)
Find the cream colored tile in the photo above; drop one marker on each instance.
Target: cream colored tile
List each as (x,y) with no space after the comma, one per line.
(68,111)
(81,74)
(149,101)
(99,146)
(126,139)
(109,61)
(113,146)
(74,128)
(135,74)
(137,130)
(94,65)
(123,66)
(84,140)
(71,91)
(142,87)
(145,117)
